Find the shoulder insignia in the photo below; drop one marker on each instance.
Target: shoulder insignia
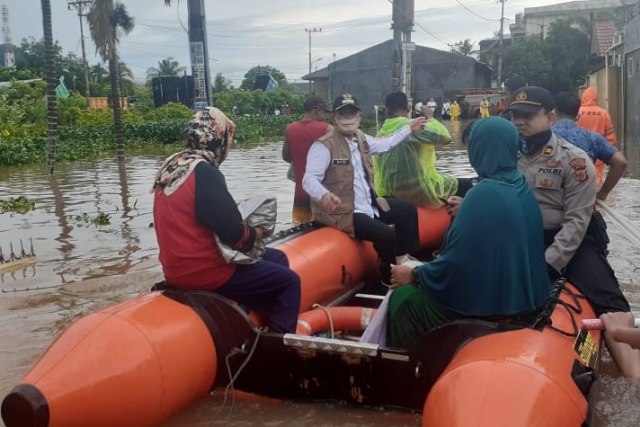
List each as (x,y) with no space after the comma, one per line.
(548,150)
(579,166)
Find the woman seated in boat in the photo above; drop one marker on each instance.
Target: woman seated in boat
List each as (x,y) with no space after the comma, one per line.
(192,206)
(492,263)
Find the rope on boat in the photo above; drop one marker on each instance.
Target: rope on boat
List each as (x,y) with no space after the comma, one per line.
(234,376)
(290,231)
(572,309)
(629,230)
(326,311)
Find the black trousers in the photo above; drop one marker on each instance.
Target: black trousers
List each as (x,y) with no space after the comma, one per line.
(464,185)
(589,269)
(390,241)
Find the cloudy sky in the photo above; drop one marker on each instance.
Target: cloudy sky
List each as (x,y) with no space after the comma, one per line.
(245,33)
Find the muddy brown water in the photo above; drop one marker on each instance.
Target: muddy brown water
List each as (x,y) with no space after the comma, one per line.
(82,267)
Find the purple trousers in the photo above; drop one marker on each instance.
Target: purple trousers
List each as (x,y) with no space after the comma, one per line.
(268,287)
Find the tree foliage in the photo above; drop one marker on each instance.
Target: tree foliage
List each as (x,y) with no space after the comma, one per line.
(464,47)
(167,67)
(250,76)
(221,83)
(558,63)
(257,101)
(108,22)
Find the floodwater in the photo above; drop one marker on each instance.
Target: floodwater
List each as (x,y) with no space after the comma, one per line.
(82,266)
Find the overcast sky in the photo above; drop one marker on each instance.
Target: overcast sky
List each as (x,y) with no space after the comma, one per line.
(245,33)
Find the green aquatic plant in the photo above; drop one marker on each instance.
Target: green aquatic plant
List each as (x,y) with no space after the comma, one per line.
(100,219)
(18,205)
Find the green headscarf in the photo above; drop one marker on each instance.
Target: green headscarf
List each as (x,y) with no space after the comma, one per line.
(492,262)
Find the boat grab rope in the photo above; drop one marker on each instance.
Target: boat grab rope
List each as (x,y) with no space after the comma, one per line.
(328,313)
(234,376)
(572,309)
(290,232)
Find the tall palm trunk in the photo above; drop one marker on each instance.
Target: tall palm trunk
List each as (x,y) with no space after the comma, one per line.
(115,102)
(52,104)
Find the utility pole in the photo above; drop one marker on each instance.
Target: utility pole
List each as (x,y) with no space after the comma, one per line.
(199,53)
(402,25)
(309,31)
(501,44)
(80,6)
(9,58)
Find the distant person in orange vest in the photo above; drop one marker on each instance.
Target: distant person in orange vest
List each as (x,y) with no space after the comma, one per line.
(502,106)
(596,119)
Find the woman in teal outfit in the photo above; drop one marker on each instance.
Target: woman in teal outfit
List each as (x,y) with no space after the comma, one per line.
(492,262)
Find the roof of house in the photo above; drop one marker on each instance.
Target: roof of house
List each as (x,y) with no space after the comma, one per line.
(324,73)
(573,7)
(604,33)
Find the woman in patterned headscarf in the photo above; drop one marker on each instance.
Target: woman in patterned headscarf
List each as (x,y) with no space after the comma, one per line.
(192,206)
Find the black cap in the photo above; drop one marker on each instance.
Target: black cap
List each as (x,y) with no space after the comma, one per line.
(343,101)
(530,99)
(313,102)
(515,83)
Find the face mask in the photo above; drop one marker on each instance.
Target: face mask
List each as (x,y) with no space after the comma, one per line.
(347,126)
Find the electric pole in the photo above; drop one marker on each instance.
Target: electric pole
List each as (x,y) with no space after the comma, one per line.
(9,58)
(80,6)
(199,52)
(501,44)
(402,25)
(309,31)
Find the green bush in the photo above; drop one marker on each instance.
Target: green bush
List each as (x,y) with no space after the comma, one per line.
(170,111)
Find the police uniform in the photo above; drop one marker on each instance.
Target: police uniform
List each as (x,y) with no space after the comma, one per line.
(563,181)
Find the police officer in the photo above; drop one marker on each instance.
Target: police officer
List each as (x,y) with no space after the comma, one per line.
(563,181)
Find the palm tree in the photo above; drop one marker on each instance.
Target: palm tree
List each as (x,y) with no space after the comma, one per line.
(98,73)
(52,104)
(464,47)
(125,79)
(167,67)
(221,83)
(108,21)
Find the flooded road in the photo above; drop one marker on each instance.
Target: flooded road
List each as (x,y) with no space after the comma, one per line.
(82,266)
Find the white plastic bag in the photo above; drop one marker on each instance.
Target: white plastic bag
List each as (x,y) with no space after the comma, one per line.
(257,211)
(376,332)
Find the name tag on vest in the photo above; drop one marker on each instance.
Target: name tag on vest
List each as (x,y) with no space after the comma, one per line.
(342,162)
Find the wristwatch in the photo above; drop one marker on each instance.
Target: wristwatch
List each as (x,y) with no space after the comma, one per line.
(414,275)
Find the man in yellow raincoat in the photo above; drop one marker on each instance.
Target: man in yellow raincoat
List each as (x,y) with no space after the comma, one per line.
(455,111)
(408,171)
(484,108)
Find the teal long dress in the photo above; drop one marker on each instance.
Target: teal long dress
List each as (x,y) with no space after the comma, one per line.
(492,262)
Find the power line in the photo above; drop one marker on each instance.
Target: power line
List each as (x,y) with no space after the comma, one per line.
(476,14)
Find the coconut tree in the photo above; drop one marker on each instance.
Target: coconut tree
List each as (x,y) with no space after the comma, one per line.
(167,67)
(108,22)
(125,79)
(52,104)
(98,73)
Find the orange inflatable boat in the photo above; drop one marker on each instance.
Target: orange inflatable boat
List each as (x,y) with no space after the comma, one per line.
(138,362)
